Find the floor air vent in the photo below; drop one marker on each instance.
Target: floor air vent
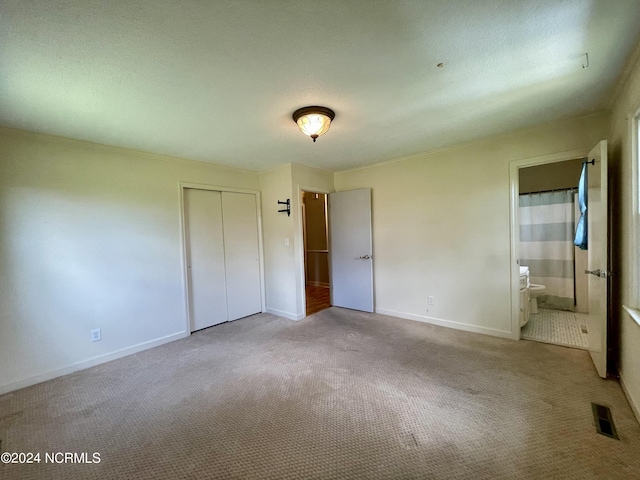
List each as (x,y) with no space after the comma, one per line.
(604,421)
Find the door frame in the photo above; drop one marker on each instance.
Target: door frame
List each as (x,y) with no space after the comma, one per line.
(514,193)
(299,252)
(184,244)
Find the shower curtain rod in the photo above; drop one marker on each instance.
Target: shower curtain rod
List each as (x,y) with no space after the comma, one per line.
(565,190)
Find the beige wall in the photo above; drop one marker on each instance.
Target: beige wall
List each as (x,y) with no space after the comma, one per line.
(625,243)
(279,243)
(284,265)
(91,238)
(441,225)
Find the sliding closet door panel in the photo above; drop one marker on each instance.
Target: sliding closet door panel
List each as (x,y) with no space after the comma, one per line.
(242,266)
(203,218)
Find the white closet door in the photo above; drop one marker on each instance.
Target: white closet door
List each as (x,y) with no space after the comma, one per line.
(242,266)
(205,256)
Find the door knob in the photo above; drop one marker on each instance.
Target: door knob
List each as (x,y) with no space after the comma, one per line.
(365,257)
(599,273)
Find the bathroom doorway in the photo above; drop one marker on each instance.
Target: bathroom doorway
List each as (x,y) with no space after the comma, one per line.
(316,251)
(548,212)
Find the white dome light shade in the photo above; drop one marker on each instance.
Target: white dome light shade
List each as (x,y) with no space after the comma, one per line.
(314,124)
(313,121)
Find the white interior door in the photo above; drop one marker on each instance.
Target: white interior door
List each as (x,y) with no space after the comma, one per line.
(351,249)
(242,261)
(205,258)
(597,252)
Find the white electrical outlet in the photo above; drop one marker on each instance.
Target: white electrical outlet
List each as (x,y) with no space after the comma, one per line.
(430,301)
(96,335)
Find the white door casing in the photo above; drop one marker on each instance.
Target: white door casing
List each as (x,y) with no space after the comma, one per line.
(598,255)
(351,249)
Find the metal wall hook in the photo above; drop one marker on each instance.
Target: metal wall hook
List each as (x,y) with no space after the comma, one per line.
(587,65)
(285,210)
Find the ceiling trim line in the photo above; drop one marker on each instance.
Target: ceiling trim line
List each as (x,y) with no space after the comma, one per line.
(17,132)
(438,151)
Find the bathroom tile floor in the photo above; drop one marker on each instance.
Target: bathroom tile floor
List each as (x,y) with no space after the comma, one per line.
(558,327)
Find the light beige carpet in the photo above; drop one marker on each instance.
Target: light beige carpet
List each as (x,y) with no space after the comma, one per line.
(338,395)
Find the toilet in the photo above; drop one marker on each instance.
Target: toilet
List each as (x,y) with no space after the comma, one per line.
(535,291)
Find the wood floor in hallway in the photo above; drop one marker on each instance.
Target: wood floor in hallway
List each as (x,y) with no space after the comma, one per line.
(318,298)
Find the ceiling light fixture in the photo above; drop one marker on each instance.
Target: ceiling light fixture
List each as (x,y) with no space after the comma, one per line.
(313,121)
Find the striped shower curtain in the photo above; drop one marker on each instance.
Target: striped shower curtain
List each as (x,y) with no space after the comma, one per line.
(547,225)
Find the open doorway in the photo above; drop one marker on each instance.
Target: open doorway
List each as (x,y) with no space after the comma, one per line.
(554,290)
(316,251)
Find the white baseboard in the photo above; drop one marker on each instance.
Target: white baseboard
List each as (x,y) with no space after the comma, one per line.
(632,401)
(91,362)
(288,315)
(447,323)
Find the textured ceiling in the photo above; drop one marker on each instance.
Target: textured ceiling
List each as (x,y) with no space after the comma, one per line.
(218,80)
